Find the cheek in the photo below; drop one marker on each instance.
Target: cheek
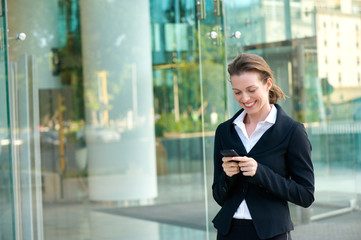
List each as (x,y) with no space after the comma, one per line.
(236,97)
(262,94)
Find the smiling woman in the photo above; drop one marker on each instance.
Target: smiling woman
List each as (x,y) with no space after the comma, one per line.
(252,95)
(251,63)
(274,165)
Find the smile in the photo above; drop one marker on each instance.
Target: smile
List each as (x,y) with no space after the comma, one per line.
(249,105)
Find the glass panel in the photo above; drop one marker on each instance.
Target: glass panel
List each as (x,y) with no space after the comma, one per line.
(7,219)
(313,47)
(119,107)
(117,103)
(213,92)
(25,124)
(335,130)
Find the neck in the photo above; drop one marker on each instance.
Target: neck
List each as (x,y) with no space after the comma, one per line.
(257,117)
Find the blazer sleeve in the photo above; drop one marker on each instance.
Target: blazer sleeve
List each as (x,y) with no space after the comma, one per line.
(222,184)
(298,188)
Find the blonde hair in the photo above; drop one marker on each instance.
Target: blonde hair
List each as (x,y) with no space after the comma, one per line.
(247,62)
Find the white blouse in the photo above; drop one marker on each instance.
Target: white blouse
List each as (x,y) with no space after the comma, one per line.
(249,142)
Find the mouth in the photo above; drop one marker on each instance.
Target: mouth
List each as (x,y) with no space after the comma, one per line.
(249,105)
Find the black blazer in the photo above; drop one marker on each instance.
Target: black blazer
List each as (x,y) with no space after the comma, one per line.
(285,173)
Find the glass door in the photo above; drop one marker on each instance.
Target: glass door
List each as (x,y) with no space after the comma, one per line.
(213,89)
(24,122)
(7,211)
(118,115)
(114,105)
(313,49)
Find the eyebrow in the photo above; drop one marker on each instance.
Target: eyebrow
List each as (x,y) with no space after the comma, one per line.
(246,87)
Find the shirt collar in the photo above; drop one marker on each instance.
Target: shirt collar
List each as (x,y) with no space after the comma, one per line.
(271,117)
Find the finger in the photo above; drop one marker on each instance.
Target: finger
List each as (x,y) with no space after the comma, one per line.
(247,169)
(250,174)
(246,164)
(227,159)
(238,158)
(248,161)
(230,164)
(233,171)
(230,167)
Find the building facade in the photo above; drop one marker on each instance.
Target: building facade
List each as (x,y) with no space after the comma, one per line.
(110,107)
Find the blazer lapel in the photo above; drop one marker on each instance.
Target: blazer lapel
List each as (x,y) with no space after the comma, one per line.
(271,138)
(275,134)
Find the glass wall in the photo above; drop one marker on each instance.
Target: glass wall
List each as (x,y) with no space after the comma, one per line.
(313,49)
(119,125)
(115,105)
(7,210)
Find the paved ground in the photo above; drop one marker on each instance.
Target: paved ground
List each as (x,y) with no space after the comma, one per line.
(90,221)
(343,227)
(346,226)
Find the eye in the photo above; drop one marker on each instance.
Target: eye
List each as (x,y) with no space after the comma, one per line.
(252,90)
(237,93)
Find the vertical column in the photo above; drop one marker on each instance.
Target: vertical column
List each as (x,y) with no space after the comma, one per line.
(287,11)
(116,47)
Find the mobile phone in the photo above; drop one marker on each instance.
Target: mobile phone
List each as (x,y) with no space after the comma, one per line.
(229,153)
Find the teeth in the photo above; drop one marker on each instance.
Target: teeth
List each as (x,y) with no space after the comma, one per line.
(248,105)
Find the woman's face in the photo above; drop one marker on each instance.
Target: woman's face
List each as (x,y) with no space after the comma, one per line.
(251,93)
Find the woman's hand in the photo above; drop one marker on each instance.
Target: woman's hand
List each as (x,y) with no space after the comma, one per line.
(230,166)
(234,165)
(247,165)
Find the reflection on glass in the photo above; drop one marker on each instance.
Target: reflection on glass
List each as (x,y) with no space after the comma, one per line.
(320,75)
(130,95)
(119,129)
(6,188)
(113,134)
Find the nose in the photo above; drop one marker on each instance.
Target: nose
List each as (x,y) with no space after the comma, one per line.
(244,97)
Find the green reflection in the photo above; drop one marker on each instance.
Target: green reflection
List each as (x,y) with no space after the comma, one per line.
(7,210)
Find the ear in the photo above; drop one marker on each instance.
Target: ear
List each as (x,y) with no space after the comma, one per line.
(269,83)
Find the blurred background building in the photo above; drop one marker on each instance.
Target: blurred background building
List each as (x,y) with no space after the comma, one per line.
(109,109)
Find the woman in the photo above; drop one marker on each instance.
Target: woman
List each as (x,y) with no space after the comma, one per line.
(274,164)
